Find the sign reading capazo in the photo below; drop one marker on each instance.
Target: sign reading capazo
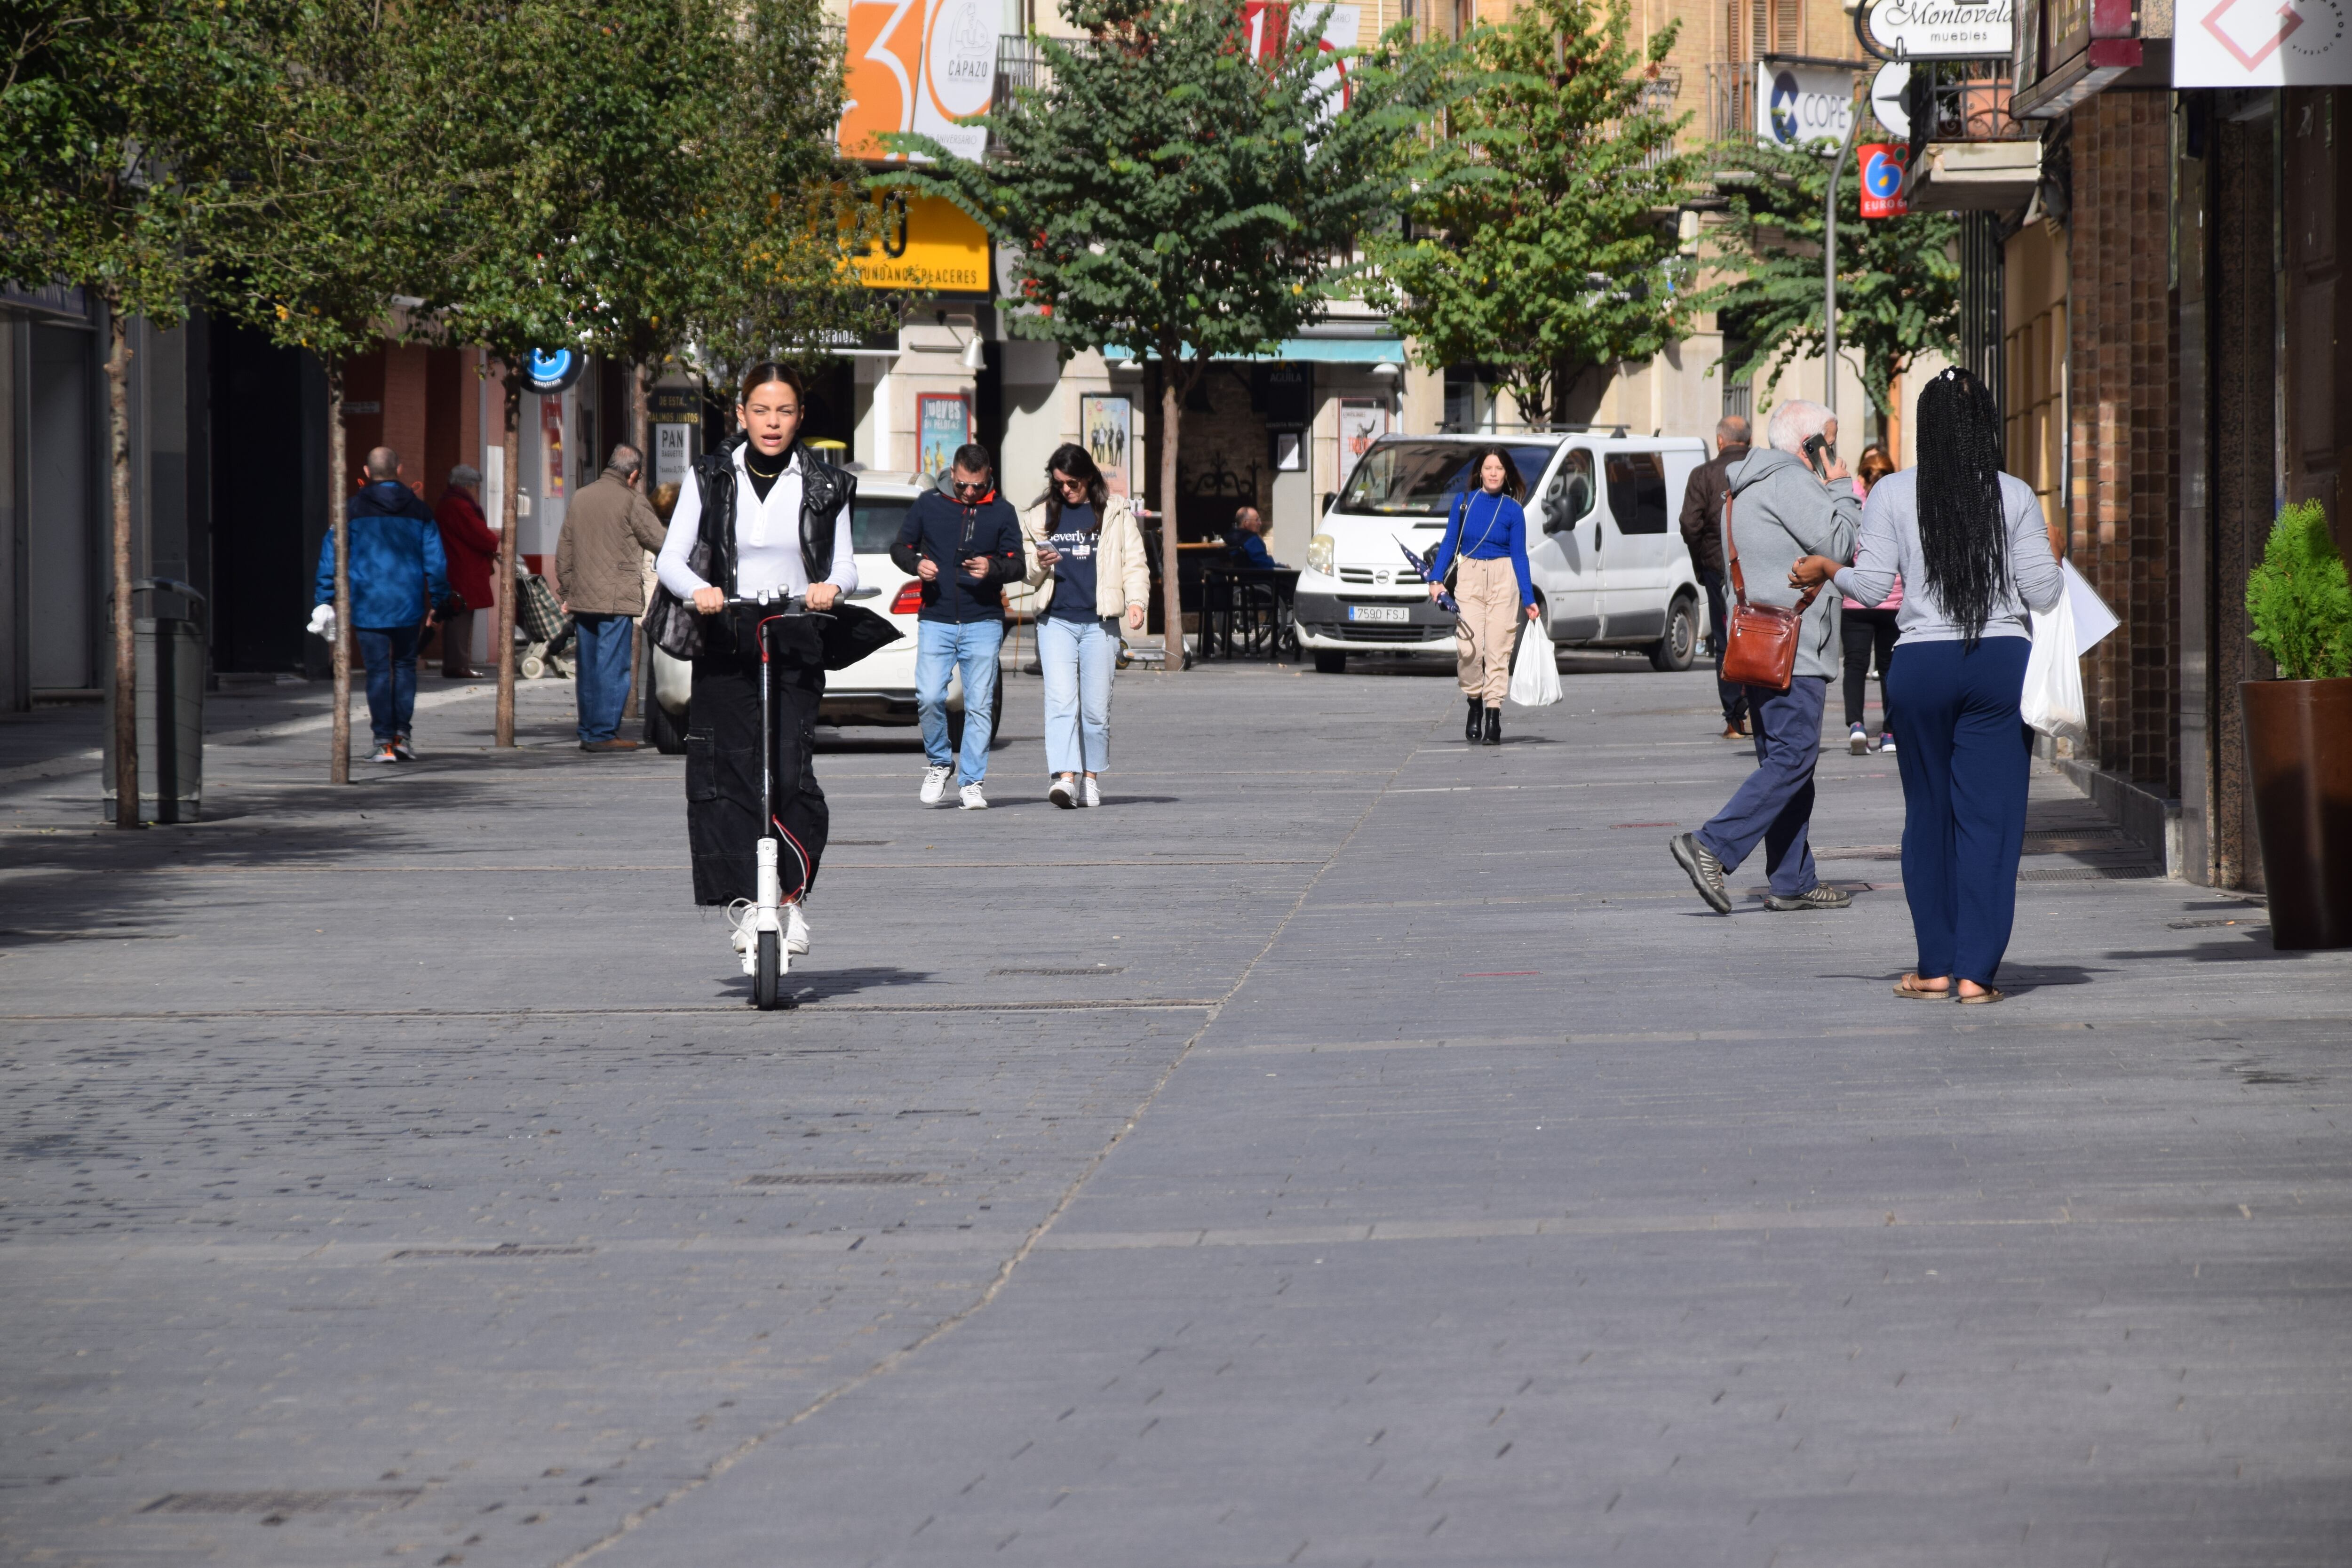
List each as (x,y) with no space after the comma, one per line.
(1936,29)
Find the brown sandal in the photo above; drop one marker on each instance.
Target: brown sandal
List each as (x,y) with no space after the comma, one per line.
(1988,994)
(1908,987)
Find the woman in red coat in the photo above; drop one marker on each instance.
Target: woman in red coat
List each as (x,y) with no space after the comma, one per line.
(472,549)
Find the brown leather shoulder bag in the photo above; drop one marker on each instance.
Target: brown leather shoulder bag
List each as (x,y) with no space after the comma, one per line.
(1760,642)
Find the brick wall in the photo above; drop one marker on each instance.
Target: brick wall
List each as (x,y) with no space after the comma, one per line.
(2124,355)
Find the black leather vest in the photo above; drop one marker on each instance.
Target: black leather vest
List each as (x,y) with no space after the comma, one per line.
(824,491)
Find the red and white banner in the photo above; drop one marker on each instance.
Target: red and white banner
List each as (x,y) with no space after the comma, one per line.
(1882,180)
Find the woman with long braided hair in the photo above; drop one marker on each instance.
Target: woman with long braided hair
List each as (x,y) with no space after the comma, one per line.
(1971,546)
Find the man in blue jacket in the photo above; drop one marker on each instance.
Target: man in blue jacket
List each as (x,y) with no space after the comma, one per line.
(964,549)
(398,575)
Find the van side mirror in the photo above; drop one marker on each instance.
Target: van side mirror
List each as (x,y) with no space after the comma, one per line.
(1330,498)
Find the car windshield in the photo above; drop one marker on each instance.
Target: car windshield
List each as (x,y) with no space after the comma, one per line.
(1421,479)
(874,526)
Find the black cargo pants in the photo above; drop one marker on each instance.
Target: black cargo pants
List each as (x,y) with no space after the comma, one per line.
(723,803)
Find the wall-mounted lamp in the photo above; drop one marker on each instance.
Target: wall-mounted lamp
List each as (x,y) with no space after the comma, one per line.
(1386,371)
(975,354)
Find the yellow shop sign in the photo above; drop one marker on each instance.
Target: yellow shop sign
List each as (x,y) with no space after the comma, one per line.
(926,244)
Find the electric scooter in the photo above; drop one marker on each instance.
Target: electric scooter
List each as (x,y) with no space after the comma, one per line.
(769,962)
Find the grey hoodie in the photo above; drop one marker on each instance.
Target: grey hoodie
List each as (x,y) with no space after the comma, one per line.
(1778,511)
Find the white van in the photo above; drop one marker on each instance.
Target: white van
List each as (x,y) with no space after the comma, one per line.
(1607,557)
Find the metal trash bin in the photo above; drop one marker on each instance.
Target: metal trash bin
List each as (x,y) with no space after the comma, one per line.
(169,683)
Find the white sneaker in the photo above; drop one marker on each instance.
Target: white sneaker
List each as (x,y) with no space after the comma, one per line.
(1886,743)
(1063,794)
(971,799)
(743,932)
(1858,742)
(796,930)
(1094,792)
(935,784)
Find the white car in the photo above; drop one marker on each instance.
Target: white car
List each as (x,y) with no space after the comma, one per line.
(878,688)
(1607,561)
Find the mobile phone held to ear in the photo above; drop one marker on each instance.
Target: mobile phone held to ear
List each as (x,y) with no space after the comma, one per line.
(1819,456)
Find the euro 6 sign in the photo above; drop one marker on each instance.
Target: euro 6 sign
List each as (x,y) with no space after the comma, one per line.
(1882,180)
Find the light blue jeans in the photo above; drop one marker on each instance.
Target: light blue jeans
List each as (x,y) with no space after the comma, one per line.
(941,647)
(1077,658)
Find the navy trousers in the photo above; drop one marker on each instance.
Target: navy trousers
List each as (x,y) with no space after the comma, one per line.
(1775,804)
(390,653)
(1964,762)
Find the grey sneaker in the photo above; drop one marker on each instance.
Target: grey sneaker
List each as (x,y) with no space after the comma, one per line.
(1820,896)
(1705,870)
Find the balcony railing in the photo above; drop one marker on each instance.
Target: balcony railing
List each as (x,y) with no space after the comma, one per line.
(1971,104)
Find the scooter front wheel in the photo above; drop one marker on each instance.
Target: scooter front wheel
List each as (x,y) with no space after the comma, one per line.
(767,974)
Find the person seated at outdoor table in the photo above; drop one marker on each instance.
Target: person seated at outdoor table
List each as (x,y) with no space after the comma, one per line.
(1247,542)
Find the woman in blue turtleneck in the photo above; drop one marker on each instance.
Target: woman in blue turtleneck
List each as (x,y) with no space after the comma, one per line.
(1487,533)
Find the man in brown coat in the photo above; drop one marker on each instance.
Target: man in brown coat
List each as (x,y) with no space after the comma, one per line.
(600,576)
(1702,522)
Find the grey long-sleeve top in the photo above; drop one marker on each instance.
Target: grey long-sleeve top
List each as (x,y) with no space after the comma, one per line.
(1889,543)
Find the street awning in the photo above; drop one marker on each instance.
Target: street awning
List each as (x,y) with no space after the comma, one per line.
(1319,351)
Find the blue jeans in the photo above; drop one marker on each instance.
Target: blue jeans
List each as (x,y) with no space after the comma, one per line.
(1965,769)
(1077,658)
(941,647)
(605,648)
(1775,803)
(391,655)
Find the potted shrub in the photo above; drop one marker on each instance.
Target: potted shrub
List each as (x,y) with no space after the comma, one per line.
(2299,731)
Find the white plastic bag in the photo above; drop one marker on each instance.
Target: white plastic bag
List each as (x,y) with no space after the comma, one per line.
(1535,676)
(2053,700)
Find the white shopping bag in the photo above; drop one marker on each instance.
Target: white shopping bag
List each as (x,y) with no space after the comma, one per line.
(1535,678)
(2053,700)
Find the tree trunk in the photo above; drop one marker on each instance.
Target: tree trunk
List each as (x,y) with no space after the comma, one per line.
(126,651)
(641,419)
(1171,419)
(505,586)
(338,508)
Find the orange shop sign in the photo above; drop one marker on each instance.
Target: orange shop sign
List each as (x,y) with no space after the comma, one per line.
(919,66)
(924,244)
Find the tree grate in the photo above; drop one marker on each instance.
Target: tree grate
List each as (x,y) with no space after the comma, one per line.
(504,1249)
(835,1178)
(280,1505)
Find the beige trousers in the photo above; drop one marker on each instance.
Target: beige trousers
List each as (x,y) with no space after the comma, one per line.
(1488,593)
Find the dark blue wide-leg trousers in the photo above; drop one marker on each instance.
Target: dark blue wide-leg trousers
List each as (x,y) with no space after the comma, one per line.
(1964,763)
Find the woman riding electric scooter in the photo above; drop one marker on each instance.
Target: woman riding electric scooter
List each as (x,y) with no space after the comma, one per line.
(759,551)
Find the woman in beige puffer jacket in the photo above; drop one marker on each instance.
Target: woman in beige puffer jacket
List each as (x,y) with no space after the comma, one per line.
(1086,564)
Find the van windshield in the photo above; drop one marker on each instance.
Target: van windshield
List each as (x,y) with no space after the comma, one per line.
(1421,479)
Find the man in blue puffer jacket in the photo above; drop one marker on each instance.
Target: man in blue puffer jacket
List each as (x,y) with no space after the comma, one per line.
(398,575)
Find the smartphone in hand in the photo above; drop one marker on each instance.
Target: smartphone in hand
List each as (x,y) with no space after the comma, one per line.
(1820,456)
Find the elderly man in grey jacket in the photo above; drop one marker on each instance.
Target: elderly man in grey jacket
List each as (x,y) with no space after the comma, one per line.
(1784,505)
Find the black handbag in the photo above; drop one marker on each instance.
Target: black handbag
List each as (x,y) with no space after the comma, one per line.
(670,621)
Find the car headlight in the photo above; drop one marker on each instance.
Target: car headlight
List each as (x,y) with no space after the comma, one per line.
(1322,554)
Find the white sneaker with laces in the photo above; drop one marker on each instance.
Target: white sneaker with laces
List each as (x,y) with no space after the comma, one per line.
(1094,792)
(796,931)
(1063,793)
(935,784)
(971,798)
(743,932)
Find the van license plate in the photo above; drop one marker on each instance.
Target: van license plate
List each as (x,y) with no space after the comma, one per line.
(1393,613)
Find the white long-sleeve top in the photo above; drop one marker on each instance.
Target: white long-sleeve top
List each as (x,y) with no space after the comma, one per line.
(767,539)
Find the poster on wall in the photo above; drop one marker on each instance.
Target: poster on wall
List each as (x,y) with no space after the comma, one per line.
(942,423)
(673,450)
(919,66)
(1362,421)
(551,431)
(1107,430)
(2262,43)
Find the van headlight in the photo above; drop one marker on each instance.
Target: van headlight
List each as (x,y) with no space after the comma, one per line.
(1322,555)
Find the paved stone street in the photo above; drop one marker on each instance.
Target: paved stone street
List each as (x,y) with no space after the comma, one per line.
(1344,1147)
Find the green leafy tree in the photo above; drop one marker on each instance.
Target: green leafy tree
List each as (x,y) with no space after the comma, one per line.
(1175,195)
(126,125)
(2299,600)
(1545,244)
(1898,279)
(335,228)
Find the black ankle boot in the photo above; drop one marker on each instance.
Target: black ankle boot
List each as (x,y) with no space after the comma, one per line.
(1476,720)
(1494,726)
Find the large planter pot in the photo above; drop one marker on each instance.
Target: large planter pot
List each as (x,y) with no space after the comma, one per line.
(2299,750)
